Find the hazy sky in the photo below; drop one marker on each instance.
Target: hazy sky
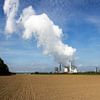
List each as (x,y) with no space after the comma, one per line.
(80,22)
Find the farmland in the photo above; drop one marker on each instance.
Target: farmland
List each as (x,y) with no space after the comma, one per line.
(50,87)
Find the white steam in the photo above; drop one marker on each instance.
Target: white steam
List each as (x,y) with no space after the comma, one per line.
(10,9)
(48,34)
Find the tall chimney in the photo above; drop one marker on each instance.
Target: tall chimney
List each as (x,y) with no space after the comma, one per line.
(60,69)
(70,65)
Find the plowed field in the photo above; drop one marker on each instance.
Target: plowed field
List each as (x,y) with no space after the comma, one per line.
(50,87)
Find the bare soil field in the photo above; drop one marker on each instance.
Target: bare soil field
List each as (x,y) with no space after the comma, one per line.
(50,87)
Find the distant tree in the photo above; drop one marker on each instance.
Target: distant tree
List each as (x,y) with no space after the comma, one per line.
(36,72)
(3,67)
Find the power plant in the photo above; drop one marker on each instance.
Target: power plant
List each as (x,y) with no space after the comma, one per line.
(66,69)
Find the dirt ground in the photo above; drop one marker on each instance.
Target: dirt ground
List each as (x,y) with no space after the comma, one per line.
(50,87)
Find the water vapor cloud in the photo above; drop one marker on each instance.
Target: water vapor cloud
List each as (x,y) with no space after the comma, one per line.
(47,34)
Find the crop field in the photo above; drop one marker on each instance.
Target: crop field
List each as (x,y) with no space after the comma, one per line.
(50,87)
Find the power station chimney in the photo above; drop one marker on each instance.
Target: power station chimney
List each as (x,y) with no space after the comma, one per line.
(60,67)
(96,69)
(70,66)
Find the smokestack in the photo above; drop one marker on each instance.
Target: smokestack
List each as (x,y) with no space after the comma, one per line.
(70,66)
(60,67)
(96,69)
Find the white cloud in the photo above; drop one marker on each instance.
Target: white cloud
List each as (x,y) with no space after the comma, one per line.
(10,9)
(48,35)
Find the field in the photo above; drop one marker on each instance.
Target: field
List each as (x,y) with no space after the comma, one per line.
(50,87)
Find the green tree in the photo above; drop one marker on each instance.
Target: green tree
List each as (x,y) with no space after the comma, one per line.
(3,67)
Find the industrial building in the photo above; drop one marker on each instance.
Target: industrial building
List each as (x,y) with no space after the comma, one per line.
(70,69)
(66,69)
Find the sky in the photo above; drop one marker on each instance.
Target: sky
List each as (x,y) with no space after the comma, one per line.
(80,23)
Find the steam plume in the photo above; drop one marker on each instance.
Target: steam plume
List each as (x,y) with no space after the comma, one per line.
(48,34)
(10,9)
